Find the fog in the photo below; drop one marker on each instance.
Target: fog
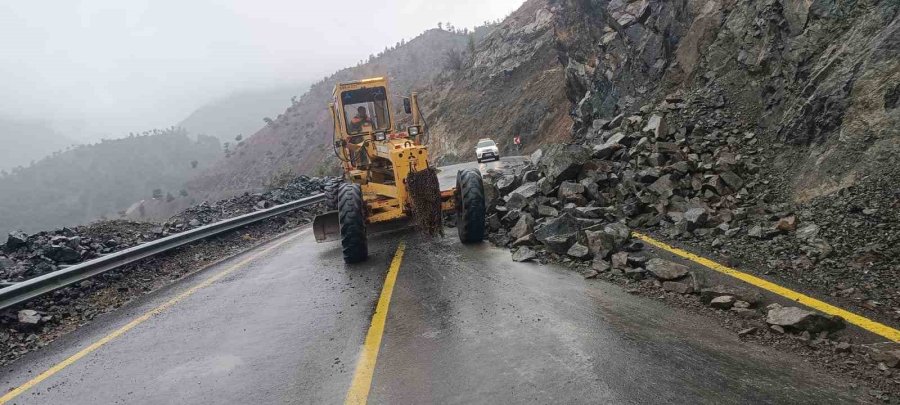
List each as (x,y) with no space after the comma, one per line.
(102,68)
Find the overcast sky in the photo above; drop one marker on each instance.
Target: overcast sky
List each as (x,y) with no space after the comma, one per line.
(120,65)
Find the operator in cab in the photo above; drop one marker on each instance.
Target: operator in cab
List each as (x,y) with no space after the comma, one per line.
(361,119)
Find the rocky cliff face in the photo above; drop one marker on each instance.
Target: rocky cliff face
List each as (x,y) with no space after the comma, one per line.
(766,132)
(511,85)
(817,76)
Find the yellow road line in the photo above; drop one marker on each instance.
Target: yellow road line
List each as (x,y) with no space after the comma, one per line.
(365,366)
(137,321)
(858,320)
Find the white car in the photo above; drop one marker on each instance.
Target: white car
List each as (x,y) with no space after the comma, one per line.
(486,149)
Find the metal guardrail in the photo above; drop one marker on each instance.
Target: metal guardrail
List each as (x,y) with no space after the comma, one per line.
(34,287)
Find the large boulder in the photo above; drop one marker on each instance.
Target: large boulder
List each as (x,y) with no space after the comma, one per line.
(663,187)
(507,183)
(523,254)
(29,317)
(657,126)
(524,226)
(798,319)
(563,162)
(619,231)
(526,190)
(572,192)
(61,253)
(696,218)
(602,244)
(666,270)
(558,233)
(16,239)
(732,180)
(491,196)
(579,251)
(536,157)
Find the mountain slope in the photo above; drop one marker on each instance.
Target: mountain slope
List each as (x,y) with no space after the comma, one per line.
(513,84)
(240,113)
(92,181)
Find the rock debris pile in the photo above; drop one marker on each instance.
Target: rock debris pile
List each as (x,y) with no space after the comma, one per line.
(26,256)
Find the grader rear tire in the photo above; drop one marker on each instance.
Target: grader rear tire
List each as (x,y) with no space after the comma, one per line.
(331,193)
(470,206)
(352,217)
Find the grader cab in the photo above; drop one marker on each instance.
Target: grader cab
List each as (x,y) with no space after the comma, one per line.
(387,175)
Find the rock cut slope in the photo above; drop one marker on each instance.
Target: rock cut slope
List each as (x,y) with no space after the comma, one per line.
(513,84)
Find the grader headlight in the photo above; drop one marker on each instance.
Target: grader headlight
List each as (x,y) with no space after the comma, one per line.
(379,136)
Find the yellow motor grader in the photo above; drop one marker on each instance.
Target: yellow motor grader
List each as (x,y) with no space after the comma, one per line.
(387,174)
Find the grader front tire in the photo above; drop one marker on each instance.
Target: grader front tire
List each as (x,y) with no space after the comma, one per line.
(352,217)
(331,193)
(470,206)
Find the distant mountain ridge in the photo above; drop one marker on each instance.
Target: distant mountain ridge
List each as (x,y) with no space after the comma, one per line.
(23,141)
(90,182)
(242,112)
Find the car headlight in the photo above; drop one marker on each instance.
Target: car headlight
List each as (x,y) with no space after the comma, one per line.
(379,136)
(412,131)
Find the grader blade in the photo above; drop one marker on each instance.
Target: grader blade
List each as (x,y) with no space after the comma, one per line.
(327,227)
(425,196)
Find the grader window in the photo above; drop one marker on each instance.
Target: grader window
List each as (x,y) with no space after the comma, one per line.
(366,110)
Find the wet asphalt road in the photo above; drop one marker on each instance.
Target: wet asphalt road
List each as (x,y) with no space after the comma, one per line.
(466,325)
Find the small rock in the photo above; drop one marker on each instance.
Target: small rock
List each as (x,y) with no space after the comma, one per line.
(741,304)
(807,232)
(755,232)
(745,313)
(722,302)
(748,331)
(787,224)
(547,211)
(591,273)
(777,329)
(890,358)
(843,347)
(29,317)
